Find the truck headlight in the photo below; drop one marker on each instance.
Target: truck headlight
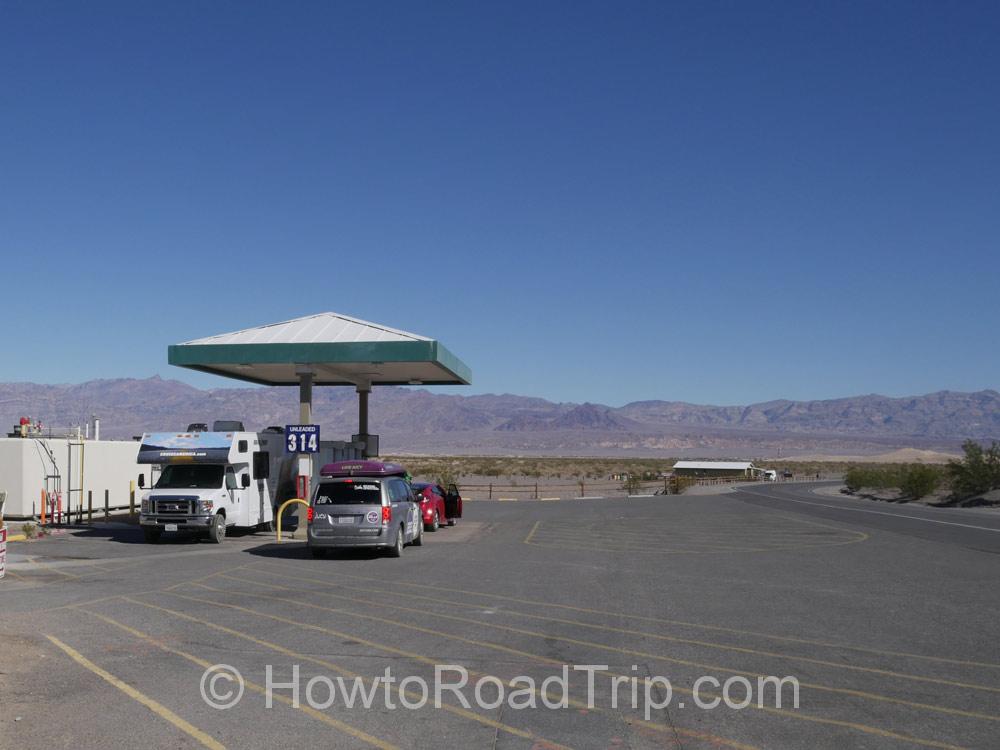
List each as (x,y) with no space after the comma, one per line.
(144,506)
(205,506)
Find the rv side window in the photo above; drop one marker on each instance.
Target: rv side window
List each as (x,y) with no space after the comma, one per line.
(241,446)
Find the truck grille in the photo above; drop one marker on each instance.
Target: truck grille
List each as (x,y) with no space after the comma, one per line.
(174,507)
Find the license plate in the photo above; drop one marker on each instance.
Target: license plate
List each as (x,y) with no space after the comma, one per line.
(345,519)
(170,527)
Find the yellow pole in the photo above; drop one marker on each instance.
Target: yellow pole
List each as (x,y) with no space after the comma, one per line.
(131,498)
(281,510)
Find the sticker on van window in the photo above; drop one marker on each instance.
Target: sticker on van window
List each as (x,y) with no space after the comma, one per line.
(372,516)
(366,487)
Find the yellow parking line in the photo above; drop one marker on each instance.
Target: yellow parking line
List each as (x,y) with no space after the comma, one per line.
(616,538)
(656,636)
(345,728)
(532,532)
(562,537)
(160,710)
(586,548)
(671,730)
(412,695)
(46,566)
(647,655)
(682,623)
(572,537)
(798,715)
(205,578)
(744,536)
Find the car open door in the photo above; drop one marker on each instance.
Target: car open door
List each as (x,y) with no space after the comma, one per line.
(452,502)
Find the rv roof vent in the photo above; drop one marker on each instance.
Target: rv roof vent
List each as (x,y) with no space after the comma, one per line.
(227,425)
(197,427)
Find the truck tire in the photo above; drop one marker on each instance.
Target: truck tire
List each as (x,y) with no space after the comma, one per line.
(217,529)
(151,534)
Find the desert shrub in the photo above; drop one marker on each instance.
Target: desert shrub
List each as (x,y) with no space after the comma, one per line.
(632,484)
(919,481)
(870,477)
(978,472)
(874,477)
(446,477)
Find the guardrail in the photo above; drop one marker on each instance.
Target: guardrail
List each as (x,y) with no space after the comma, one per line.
(666,486)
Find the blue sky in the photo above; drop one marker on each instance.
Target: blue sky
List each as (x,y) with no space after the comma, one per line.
(711,202)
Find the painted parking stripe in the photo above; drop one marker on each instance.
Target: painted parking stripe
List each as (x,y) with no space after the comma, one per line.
(412,695)
(652,725)
(157,708)
(493,597)
(252,686)
(864,728)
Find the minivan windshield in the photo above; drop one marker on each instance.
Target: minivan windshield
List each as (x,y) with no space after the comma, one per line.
(353,492)
(190,476)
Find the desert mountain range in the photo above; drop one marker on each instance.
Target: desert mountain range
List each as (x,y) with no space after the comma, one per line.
(414,420)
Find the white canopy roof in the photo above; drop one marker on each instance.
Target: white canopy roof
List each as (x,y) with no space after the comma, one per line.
(327,327)
(337,349)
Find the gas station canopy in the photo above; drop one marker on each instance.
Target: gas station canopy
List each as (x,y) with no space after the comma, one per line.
(335,349)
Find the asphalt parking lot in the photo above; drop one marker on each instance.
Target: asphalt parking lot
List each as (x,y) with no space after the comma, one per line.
(887,620)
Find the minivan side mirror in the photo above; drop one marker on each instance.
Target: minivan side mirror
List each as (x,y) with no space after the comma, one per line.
(142,481)
(245,480)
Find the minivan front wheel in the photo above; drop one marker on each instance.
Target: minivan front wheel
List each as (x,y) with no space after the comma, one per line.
(397,549)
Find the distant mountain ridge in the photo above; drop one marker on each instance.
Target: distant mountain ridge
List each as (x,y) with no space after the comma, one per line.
(418,420)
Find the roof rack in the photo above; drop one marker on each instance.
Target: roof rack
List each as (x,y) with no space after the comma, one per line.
(362,468)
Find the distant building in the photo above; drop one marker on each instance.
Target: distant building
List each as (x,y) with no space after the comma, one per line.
(716,469)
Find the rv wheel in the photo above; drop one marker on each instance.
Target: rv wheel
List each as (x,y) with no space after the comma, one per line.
(217,531)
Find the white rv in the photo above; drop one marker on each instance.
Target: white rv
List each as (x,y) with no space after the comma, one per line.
(211,481)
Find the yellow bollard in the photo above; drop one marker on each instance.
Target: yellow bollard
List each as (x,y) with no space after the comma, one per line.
(281,510)
(131,498)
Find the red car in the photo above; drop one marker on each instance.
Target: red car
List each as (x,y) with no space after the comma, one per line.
(438,505)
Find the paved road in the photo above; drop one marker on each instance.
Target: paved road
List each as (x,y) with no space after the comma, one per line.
(891,631)
(977,529)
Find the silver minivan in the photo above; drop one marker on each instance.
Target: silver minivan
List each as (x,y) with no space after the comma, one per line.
(363,504)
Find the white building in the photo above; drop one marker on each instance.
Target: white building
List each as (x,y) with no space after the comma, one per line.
(716,469)
(67,468)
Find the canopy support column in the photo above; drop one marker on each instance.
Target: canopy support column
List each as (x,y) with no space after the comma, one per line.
(305,417)
(363,409)
(370,441)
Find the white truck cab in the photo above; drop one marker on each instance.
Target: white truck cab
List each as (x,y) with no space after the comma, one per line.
(210,481)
